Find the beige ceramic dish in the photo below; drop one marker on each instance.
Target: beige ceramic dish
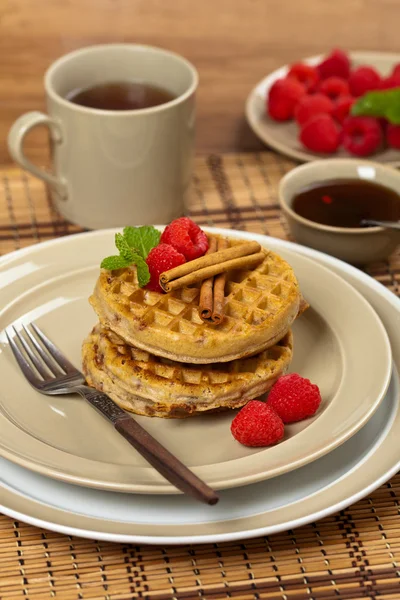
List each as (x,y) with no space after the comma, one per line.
(283,137)
(357,246)
(64,438)
(331,484)
(98,155)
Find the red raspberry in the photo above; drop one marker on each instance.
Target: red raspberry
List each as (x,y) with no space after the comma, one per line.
(334,87)
(256,424)
(320,134)
(187,237)
(361,135)
(383,123)
(162,258)
(305,74)
(311,105)
(393,135)
(283,97)
(396,71)
(363,79)
(337,64)
(388,83)
(294,398)
(342,108)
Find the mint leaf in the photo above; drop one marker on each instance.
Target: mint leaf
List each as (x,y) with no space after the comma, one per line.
(371,104)
(130,255)
(118,262)
(124,249)
(142,239)
(143,273)
(114,262)
(379,103)
(393,113)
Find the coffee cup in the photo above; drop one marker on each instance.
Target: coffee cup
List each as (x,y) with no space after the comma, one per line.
(113,167)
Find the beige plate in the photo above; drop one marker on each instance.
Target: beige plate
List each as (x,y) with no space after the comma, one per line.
(64,438)
(313,492)
(283,136)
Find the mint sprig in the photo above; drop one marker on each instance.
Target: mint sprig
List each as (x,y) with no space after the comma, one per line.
(114,262)
(379,103)
(143,273)
(142,238)
(127,257)
(134,245)
(125,250)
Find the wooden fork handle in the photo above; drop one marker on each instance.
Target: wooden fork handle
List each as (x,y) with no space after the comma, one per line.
(164,462)
(159,457)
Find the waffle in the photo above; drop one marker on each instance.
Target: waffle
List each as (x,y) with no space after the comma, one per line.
(260,306)
(148,385)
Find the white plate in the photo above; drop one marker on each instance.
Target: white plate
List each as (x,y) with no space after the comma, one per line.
(283,136)
(333,482)
(63,437)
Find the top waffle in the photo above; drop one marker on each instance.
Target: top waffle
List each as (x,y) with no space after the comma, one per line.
(260,306)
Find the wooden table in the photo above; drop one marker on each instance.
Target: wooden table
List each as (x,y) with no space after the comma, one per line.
(233,43)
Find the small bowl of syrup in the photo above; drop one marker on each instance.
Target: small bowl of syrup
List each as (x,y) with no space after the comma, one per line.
(326,201)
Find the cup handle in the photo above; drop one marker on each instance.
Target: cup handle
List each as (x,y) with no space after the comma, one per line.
(16,137)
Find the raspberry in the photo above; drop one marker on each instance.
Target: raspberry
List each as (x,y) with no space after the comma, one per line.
(186,237)
(162,258)
(294,398)
(311,105)
(361,135)
(334,87)
(383,123)
(396,71)
(256,424)
(388,83)
(305,74)
(393,135)
(363,79)
(283,97)
(320,134)
(337,64)
(342,108)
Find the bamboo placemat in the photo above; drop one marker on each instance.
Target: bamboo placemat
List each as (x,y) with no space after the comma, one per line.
(352,554)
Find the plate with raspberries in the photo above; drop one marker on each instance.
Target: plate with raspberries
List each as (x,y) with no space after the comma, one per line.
(302,496)
(324,377)
(330,105)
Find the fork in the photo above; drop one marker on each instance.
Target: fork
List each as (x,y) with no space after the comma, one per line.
(51,373)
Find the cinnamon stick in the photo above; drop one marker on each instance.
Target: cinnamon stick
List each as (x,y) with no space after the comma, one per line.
(243,262)
(209,261)
(219,290)
(206,291)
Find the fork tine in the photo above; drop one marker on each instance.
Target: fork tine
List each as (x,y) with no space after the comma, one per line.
(21,360)
(54,351)
(54,368)
(39,365)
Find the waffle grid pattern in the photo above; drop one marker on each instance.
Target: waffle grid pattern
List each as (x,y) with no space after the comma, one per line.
(253,297)
(350,555)
(148,365)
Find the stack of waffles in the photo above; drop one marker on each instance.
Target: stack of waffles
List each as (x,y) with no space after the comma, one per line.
(153,355)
